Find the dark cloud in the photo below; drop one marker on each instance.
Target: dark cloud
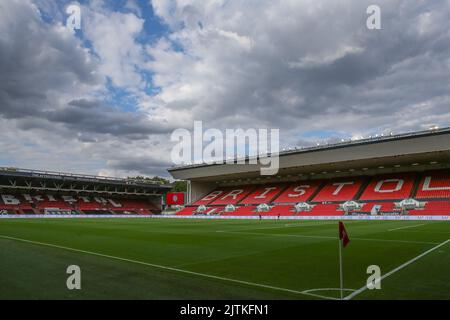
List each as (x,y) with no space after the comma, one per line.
(95,117)
(318,66)
(141,165)
(42,65)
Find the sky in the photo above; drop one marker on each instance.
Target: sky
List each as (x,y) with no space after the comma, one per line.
(105,98)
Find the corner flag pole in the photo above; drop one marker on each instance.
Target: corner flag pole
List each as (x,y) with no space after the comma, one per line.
(341,273)
(343,242)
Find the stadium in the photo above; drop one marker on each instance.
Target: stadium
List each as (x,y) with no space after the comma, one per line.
(403,174)
(393,192)
(274,153)
(43,192)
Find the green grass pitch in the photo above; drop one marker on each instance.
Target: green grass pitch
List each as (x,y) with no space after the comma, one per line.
(220,259)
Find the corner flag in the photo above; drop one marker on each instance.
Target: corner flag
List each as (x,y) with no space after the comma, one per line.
(343,242)
(343,235)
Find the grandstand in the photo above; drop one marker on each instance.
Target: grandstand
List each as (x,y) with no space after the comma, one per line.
(45,192)
(217,256)
(406,174)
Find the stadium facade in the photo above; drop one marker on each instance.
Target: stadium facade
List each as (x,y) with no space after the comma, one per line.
(45,192)
(388,174)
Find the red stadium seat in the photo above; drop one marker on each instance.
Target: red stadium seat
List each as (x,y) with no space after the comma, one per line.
(433,208)
(92,205)
(130,205)
(263,194)
(8,201)
(383,207)
(298,192)
(233,195)
(434,185)
(57,204)
(16,203)
(187,211)
(215,210)
(323,210)
(389,187)
(282,211)
(242,211)
(381,193)
(210,197)
(211,210)
(39,203)
(339,190)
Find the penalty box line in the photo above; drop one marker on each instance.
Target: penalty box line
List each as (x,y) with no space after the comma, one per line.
(322,237)
(204,275)
(404,265)
(275,226)
(407,227)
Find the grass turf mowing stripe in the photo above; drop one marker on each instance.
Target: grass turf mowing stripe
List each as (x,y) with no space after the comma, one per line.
(164,267)
(407,227)
(275,226)
(404,265)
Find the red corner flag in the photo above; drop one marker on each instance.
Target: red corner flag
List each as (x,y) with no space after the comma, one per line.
(343,235)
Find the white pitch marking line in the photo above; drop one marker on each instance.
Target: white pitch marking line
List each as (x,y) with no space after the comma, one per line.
(159,266)
(310,292)
(327,289)
(417,225)
(362,289)
(313,224)
(319,296)
(322,237)
(277,235)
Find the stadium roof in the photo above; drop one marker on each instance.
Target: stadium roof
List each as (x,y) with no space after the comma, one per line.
(419,149)
(25,179)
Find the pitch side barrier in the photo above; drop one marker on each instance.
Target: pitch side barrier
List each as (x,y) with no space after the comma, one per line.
(358,217)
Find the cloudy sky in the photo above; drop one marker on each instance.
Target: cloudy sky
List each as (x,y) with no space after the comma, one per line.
(105,98)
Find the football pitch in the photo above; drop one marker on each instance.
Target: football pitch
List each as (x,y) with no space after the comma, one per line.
(221,259)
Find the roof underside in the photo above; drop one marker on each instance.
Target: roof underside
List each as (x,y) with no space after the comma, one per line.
(422,150)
